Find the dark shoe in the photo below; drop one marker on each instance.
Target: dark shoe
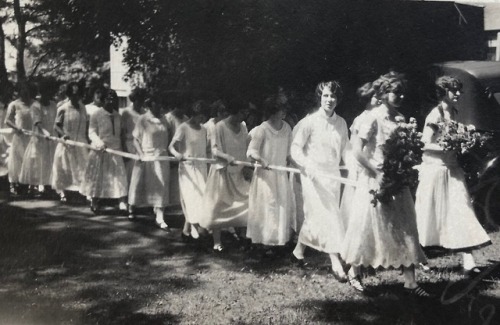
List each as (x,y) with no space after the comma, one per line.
(342,278)
(418,292)
(185,238)
(472,273)
(297,261)
(356,284)
(93,208)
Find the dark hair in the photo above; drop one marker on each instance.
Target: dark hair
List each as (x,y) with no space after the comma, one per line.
(217,107)
(110,93)
(445,83)
(272,105)
(333,85)
(69,89)
(138,94)
(199,107)
(389,82)
(149,99)
(235,105)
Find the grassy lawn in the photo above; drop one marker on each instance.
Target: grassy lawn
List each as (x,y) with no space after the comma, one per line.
(62,265)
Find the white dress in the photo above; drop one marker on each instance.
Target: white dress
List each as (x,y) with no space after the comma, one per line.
(445,216)
(225,201)
(385,235)
(150,179)
(39,155)
(173,123)
(354,169)
(271,208)
(4,143)
(20,114)
(129,118)
(105,175)
(70,161)
(318,146)
(192,174)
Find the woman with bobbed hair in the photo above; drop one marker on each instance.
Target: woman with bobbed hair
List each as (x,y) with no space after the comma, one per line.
(129,117)
(70,161)
(36,169)
(368,100)
(150,179)
(318,146)
(19,116)
(225,201)
(271,205)
(190,141)
(384,235)
(105,175)
(445,216)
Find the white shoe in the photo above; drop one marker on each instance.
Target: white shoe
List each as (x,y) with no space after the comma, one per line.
(123,206)
(194,232)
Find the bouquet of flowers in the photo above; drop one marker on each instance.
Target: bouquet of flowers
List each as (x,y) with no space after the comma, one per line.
(469,144)
(402,151)
(461,138)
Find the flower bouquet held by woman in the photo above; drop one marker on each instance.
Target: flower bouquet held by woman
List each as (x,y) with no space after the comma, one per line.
(402,152)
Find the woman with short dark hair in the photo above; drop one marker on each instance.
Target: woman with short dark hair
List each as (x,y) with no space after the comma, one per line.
(445,216)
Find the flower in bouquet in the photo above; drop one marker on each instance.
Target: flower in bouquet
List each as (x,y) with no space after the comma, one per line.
(461,138)
(402,151)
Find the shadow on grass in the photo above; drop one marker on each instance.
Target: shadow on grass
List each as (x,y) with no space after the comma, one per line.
(390,305)
(60,269)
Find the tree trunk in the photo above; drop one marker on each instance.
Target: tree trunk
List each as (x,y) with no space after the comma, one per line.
(3,70)
(21,41)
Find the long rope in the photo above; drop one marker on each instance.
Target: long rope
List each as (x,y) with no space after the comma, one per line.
(170,158)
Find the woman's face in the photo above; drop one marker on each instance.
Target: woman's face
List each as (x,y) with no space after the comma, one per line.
(452,95)
(199,118)
(395,97)
(328,101)
(155,108)
(98,97)
(280,115)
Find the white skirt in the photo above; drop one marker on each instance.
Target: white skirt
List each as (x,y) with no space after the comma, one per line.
(105,176)
(69,167)
(149,184)
(271,208)
(323,228)
(381,236)
(225,201)
(37,163)
(192,183)
(445,216)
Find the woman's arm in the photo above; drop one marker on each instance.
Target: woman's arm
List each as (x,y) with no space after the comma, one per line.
(429,138)
(357,149)
(254,146)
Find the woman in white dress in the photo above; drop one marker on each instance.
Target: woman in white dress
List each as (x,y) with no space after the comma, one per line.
(150,179)
(190,141)
(271,206)
(129,116)
(319,145)
(19,117)
(175,117)
(366,95)
(38,159)
(70,161)
(445,216)
(225,201)
(105,175)
(219,112)
(384,235)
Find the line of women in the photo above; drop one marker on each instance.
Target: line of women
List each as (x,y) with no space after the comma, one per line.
(262,202)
